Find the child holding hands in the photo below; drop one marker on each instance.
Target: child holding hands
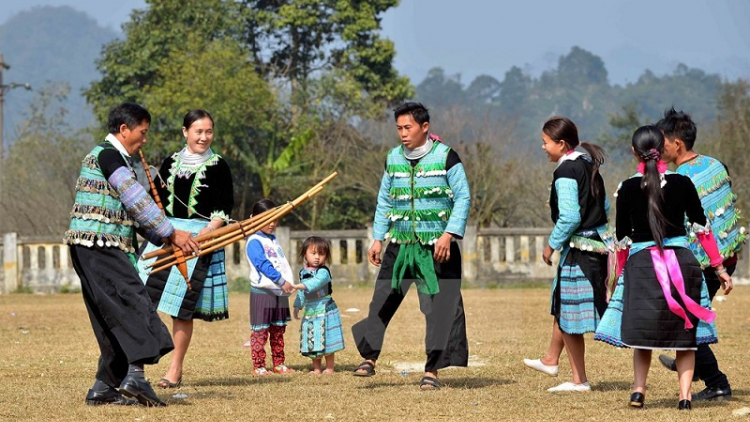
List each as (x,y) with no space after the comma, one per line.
(321,334)
(270,286)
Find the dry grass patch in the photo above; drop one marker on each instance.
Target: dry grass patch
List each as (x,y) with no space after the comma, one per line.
(48,358)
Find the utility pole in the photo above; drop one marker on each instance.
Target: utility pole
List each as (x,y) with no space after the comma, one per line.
(3,89)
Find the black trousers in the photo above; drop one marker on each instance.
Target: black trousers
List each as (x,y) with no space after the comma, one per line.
(124,320)
(706,366)
(445,338)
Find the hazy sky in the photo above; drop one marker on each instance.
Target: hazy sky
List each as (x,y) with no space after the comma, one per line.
(474,37)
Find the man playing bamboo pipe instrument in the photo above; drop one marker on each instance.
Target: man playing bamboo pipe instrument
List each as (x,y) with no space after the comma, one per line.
(110,205)
(422,207)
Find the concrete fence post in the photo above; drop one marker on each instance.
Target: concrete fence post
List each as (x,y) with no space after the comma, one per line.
(469,254)
(371,269)
(10,262)
(284,236)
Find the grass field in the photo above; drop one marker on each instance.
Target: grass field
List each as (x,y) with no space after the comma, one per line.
(48,358)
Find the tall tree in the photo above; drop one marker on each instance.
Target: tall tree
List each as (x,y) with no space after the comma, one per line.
(293,40)
(514,90)
(132,64)
(439,90)
(617,140)
(40,171)
(581,67)
(727,138)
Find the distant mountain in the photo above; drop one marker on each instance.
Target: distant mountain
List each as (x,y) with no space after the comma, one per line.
(50,45)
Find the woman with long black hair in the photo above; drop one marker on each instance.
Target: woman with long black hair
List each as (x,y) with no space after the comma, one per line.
(579,208)
(661,300)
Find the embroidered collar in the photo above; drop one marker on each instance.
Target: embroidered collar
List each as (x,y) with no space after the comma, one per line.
(112,139)
(189,159)
(570,155)
(183,169)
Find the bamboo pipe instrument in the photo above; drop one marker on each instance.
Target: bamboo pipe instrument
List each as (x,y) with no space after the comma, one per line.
(238,234)
(238,231)
(244,230)
(216,234)
(231,228)
(181,266)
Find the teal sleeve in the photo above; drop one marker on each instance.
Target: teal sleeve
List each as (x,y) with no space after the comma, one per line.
(322,277)
(382,224)
(570,213)
(461,200)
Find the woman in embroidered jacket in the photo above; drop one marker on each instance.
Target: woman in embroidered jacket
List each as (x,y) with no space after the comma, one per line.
(109,206)
(422,207)
(661,300)
(195,186)
(579,210)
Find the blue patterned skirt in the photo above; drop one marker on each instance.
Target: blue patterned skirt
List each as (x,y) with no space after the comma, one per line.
(321,332)
(647,300)
(207,299)
(579,291)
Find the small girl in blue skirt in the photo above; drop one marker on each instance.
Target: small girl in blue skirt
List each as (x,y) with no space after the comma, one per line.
(321,334)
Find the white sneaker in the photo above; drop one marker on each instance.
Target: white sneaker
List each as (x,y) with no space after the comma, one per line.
(569,386)
(537,364)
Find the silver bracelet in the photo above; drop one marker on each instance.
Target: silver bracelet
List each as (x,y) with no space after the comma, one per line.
(721,271)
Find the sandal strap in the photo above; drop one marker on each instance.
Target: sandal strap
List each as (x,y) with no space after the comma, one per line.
(366,365)
(431,381)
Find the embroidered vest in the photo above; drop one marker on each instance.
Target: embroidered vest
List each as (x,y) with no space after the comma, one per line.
(178,169)
(273,252)
(421,198)
(98,217)
(323,291)
(712,182)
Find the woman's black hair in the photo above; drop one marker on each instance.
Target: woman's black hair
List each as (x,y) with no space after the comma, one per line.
(193,115)
(648,144)
(560,128)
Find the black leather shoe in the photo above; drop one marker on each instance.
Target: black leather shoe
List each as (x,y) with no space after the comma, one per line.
(141,390)
(107,396)
(684,405)
(668,362)
(671,364)
(714,394)
(636,400)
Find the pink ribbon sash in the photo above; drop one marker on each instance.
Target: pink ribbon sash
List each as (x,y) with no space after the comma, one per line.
(667,269)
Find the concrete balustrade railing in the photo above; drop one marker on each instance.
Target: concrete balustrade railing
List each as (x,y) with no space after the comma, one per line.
(489,256)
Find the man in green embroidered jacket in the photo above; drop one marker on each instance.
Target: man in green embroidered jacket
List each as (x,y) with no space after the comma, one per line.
(711,180)
(422,209)
(110,205)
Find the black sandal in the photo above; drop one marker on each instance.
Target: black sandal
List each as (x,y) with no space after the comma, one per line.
(429,383)
(636,400)
(367,367)
(165,383)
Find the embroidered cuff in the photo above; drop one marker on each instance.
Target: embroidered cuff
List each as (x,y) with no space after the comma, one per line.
(219,215)
(139,205)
